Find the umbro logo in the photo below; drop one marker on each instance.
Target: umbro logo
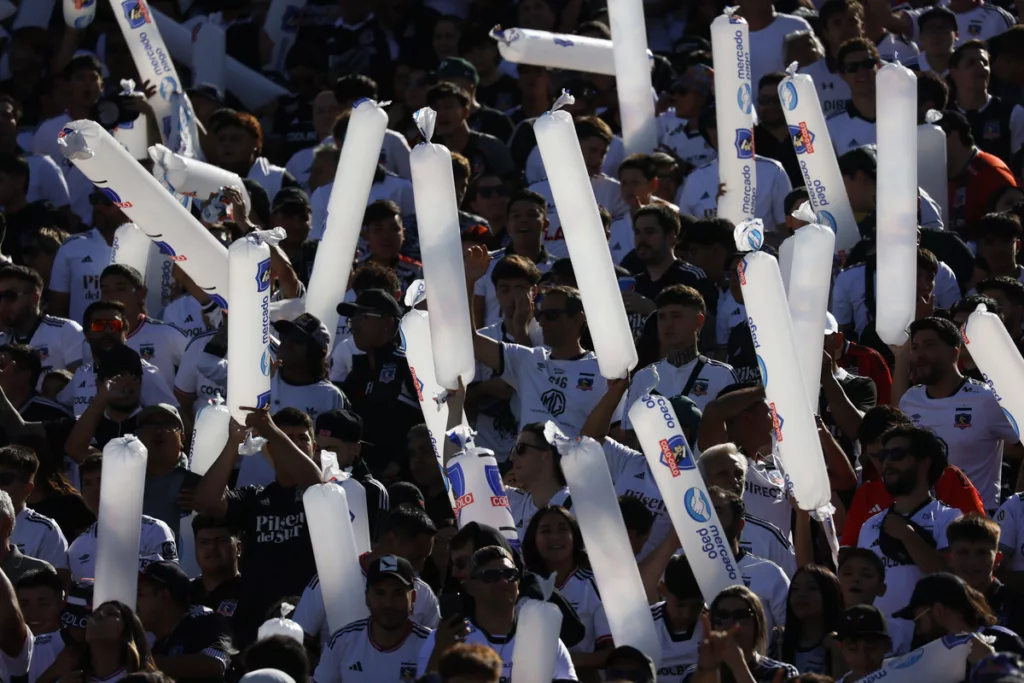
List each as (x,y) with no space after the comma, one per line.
(639,475)
(87,259)
(358,666)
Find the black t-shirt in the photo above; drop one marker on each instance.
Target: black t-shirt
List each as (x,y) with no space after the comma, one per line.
(502,95)
(69,511)
(740,354)
(782,151)
(223,599)
(990,126)
(492,122)
(1007,604)
(278,558)
(201,632)
(679,273)
(863,394)
(293,125)
(108,430)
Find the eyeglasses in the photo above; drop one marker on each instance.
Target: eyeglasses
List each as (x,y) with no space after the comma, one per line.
(11,295)
(892,454)
(113,324)
(854,67)
(521,448)
(489,192)
(721,616)
(550,314)
(495,575)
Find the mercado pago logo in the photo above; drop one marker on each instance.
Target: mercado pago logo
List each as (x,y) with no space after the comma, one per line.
(713,541)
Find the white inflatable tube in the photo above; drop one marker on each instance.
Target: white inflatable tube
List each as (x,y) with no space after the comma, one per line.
(480,494)
(78,14)
(118,525)
(558,50)
(817,159)
(281,26)
(536,648)
(675,472)
(437,215)
(807,294)
(253,89)
(584,235)
(356,497)
(209,50)
(35,13)
(1001,365)
(940,661)
(209,436)
(249,356)
(346,207)
(931,162)
(794,429)
(334,547)
(148,204)
(133,248)
(896,289)
(633,76)
(786,262)
(194,178)
(604,532)
(730,44)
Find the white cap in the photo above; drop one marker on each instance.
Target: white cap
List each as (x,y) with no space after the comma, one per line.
(267,676)
(831,326)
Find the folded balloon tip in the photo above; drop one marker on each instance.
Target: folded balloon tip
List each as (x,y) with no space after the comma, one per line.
(252,444)
(73,145)
(565,99)
(425,119)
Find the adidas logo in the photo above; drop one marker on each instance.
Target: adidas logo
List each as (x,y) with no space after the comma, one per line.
(189,319)
(87,259)
(264,501)
(705,196)
(874,509)
(639,475)
(356,667)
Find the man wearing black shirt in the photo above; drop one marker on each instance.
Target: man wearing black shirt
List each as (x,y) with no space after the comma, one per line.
(452,129)
(218,547)
(991,119)
(380,385)
(482,118)
(192,643)
(357,43)
(115,409)
(772,137)
(278,559)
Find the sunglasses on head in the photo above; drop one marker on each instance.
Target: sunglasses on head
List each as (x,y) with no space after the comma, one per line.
(720,616)
(853,67)
(11,295)
(112,324)
(893,454)
(495,575)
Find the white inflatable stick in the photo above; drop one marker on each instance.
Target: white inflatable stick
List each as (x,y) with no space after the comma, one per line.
(730,43)
(633,75)
(557,50)
(119,523)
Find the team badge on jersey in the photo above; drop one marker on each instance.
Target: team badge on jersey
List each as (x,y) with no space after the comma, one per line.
(227,608)
(387,374)
(700,388)
(147,351)
(991,130)
(407,674)
(962,420)
(43,352)
(974,29)
(585,383)
(775,477)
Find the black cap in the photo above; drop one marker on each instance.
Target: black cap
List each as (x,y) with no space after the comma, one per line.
(862,621)
(308,326)
(938,13)
(390,566)
(118,360)
(629,655)
(863,158)
(942,588)
(159,410)
(371,301)
(170,576)
(340,424)
(290,199)
(952,120)
(208,92)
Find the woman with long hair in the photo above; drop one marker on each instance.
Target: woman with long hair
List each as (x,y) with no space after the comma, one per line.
(553,544)
(115,646)
(54,496)
(735,639)
(813,611)
(538,476)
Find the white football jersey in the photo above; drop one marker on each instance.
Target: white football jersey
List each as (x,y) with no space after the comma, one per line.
(608,194)
(632,477)
(690,147)
(678,650)
(523,508)
(398,190)
(972,425)
(484,287)
(699,194)
(81,390)
(46,181)
(833,92)
(160,345)
(712,377)
(900,579)
(767,46)
(764,539)
(190,381)
(16,667)
(39,536)
(46,647)
(768,582)
(849,130)
(730,313)
(352,656)
(157,539)
(77,268)
(765,496)
(186,314)
(58,341)
(980,22)
(1010,519)
(580,591)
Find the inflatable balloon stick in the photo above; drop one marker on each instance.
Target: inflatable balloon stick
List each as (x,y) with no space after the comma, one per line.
(148,204)
(78,14)
(356,496)
(281,26)
(477,487)
(193,178)
(896,288)
(931,162)
(280,626)
(618,581)
(588,247)
(557,50)
(437,215)
(730,43)
(119,523)
(633,75)
(536,648)
(794,429)
(359,155)
(334,547)
(817,159)
(685,493)
(940,661)
(1001,365)
(209,55)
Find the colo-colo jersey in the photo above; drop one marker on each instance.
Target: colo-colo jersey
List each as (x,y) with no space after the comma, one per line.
(185,314)
(81,390)
(580,590)
(767,581)
(678,650)
(352,656)
(1010,519)
(159,344)
(39,536)
(58,341)
(523,508)
(156,539)
(46,647)
(190,381)
(766,496)
(900,578)
(76,270)
(632,477)
(705,378)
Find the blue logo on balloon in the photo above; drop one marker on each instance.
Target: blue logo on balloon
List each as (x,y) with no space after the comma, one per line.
(263,400)
(787,93)
(763,369)
(165,249)
(803,139)
(744,143)
(827,219)
(745,99)
(111,195)
(697,505)
(908,660)
(263,276)
(266,363)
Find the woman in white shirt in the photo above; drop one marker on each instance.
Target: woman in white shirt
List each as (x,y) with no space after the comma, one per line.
(537,476)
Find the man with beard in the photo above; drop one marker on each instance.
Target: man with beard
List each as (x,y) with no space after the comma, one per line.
(963,413)
(57,341)
(909,536)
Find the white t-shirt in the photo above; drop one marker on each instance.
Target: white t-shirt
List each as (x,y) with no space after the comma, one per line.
(523,508)
(678,650)
(849,130)
(1011,532)
(58,341)
(712,378)
(900,579)
(160,345)
(768,582)
(81,390)
(981,22)
(764,539)
(398,190)
(15,667)
(833,92)
(608,194)
(352,656)
(503,646)
(44,141)
(767,46)
(39,536)
(690,147)
(186,314)
(765,496)
(561,390)
(972,425)
(46,181)
(632,477)
(157,539)
(580,591)
(698,196)
(484,287)
(77,268)
(190,381)
(924,65)
(730,314)
(46,647)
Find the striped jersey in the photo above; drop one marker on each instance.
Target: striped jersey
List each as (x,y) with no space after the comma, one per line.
(39,536)
(157,539)
(580,590)
(46,647)
(764,539)
(58,341)
(352,656)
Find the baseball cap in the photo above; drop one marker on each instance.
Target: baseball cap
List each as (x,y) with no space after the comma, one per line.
(831,326)
(170,576)
(938,13)
(118,360)
(861,621)
(208,92)
(308,326)
(159,410)
(340,424)
(624,659)
(390,566)
(863,158)
(942,588)
(289,199)
(457,67)
(698,79)
(78,606)
(371,301)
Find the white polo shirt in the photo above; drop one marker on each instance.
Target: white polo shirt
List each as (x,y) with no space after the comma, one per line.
(523,508)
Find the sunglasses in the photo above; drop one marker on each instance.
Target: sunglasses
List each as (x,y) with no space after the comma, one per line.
(521,448)
(854,67)
(550,314)
(495,575)
(721,616)
(892,454)
(112,324)
(11,295)
(489,192)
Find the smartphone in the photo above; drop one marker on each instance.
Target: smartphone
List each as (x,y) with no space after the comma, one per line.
(450,604)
